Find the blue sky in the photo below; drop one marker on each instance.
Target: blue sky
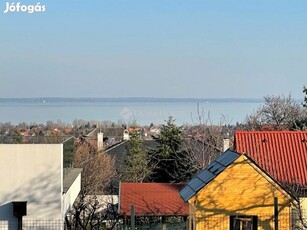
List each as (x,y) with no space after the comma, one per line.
(154,48)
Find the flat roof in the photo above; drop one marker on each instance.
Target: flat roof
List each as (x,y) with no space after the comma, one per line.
(15,139)
(69,177)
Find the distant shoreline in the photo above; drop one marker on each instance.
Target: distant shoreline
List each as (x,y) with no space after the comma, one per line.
(145,110)
(129,99)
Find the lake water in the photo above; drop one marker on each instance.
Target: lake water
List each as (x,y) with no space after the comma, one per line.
(144,111)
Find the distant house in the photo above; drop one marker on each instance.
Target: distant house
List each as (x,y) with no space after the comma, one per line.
(35,187)
(203,152)
(158,201)
(115,133)
(233,192)
(155,129)
(120,150)
(68,130)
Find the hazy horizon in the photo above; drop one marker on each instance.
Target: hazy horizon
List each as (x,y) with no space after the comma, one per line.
(140,97)
(143,111)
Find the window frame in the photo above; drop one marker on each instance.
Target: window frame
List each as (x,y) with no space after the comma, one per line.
(254,221)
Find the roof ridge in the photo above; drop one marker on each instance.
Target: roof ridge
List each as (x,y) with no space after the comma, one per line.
(272,131)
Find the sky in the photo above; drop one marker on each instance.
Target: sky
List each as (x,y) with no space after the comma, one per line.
(154,48)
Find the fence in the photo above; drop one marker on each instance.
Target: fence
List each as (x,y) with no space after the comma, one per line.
(259,221)
(158,226)
(32,225)
(155,223)
(286,221)
(249,221)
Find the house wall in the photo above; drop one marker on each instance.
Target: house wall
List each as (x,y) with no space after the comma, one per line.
(304,206)
(32,173)
(240,190)
(70,196)
(300,214)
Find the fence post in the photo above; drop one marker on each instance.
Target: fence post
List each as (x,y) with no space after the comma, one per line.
(19,223)
(132,216)
(275,213)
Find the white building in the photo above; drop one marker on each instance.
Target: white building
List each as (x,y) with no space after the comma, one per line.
(34,173)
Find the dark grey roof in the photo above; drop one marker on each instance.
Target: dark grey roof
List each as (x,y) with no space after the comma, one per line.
(70,175)
(120,150)
(208,174)
(110,132)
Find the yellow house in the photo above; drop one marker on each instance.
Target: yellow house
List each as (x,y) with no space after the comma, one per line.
(233,192)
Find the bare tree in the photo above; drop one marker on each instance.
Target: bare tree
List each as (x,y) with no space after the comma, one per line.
(204,140)
(203,144)
(277,113)
(98,171)
(92,212)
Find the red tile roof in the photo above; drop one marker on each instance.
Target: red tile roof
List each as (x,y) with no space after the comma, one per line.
(152,199)
(282,154)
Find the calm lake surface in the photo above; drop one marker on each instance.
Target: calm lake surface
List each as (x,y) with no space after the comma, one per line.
(143,110)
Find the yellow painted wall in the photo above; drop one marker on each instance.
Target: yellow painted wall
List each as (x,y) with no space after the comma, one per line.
(240,189)
(304,206)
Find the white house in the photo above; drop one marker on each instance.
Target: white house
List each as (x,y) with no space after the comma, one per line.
(35,190)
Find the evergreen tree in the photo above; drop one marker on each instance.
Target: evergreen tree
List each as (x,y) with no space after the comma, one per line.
(136,164)
(170,138)
(173,164)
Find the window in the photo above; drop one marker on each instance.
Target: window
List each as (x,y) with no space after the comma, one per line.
(243,222)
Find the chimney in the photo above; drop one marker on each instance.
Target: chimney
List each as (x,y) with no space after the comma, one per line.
(226,144)
(100,141)
(126,135)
